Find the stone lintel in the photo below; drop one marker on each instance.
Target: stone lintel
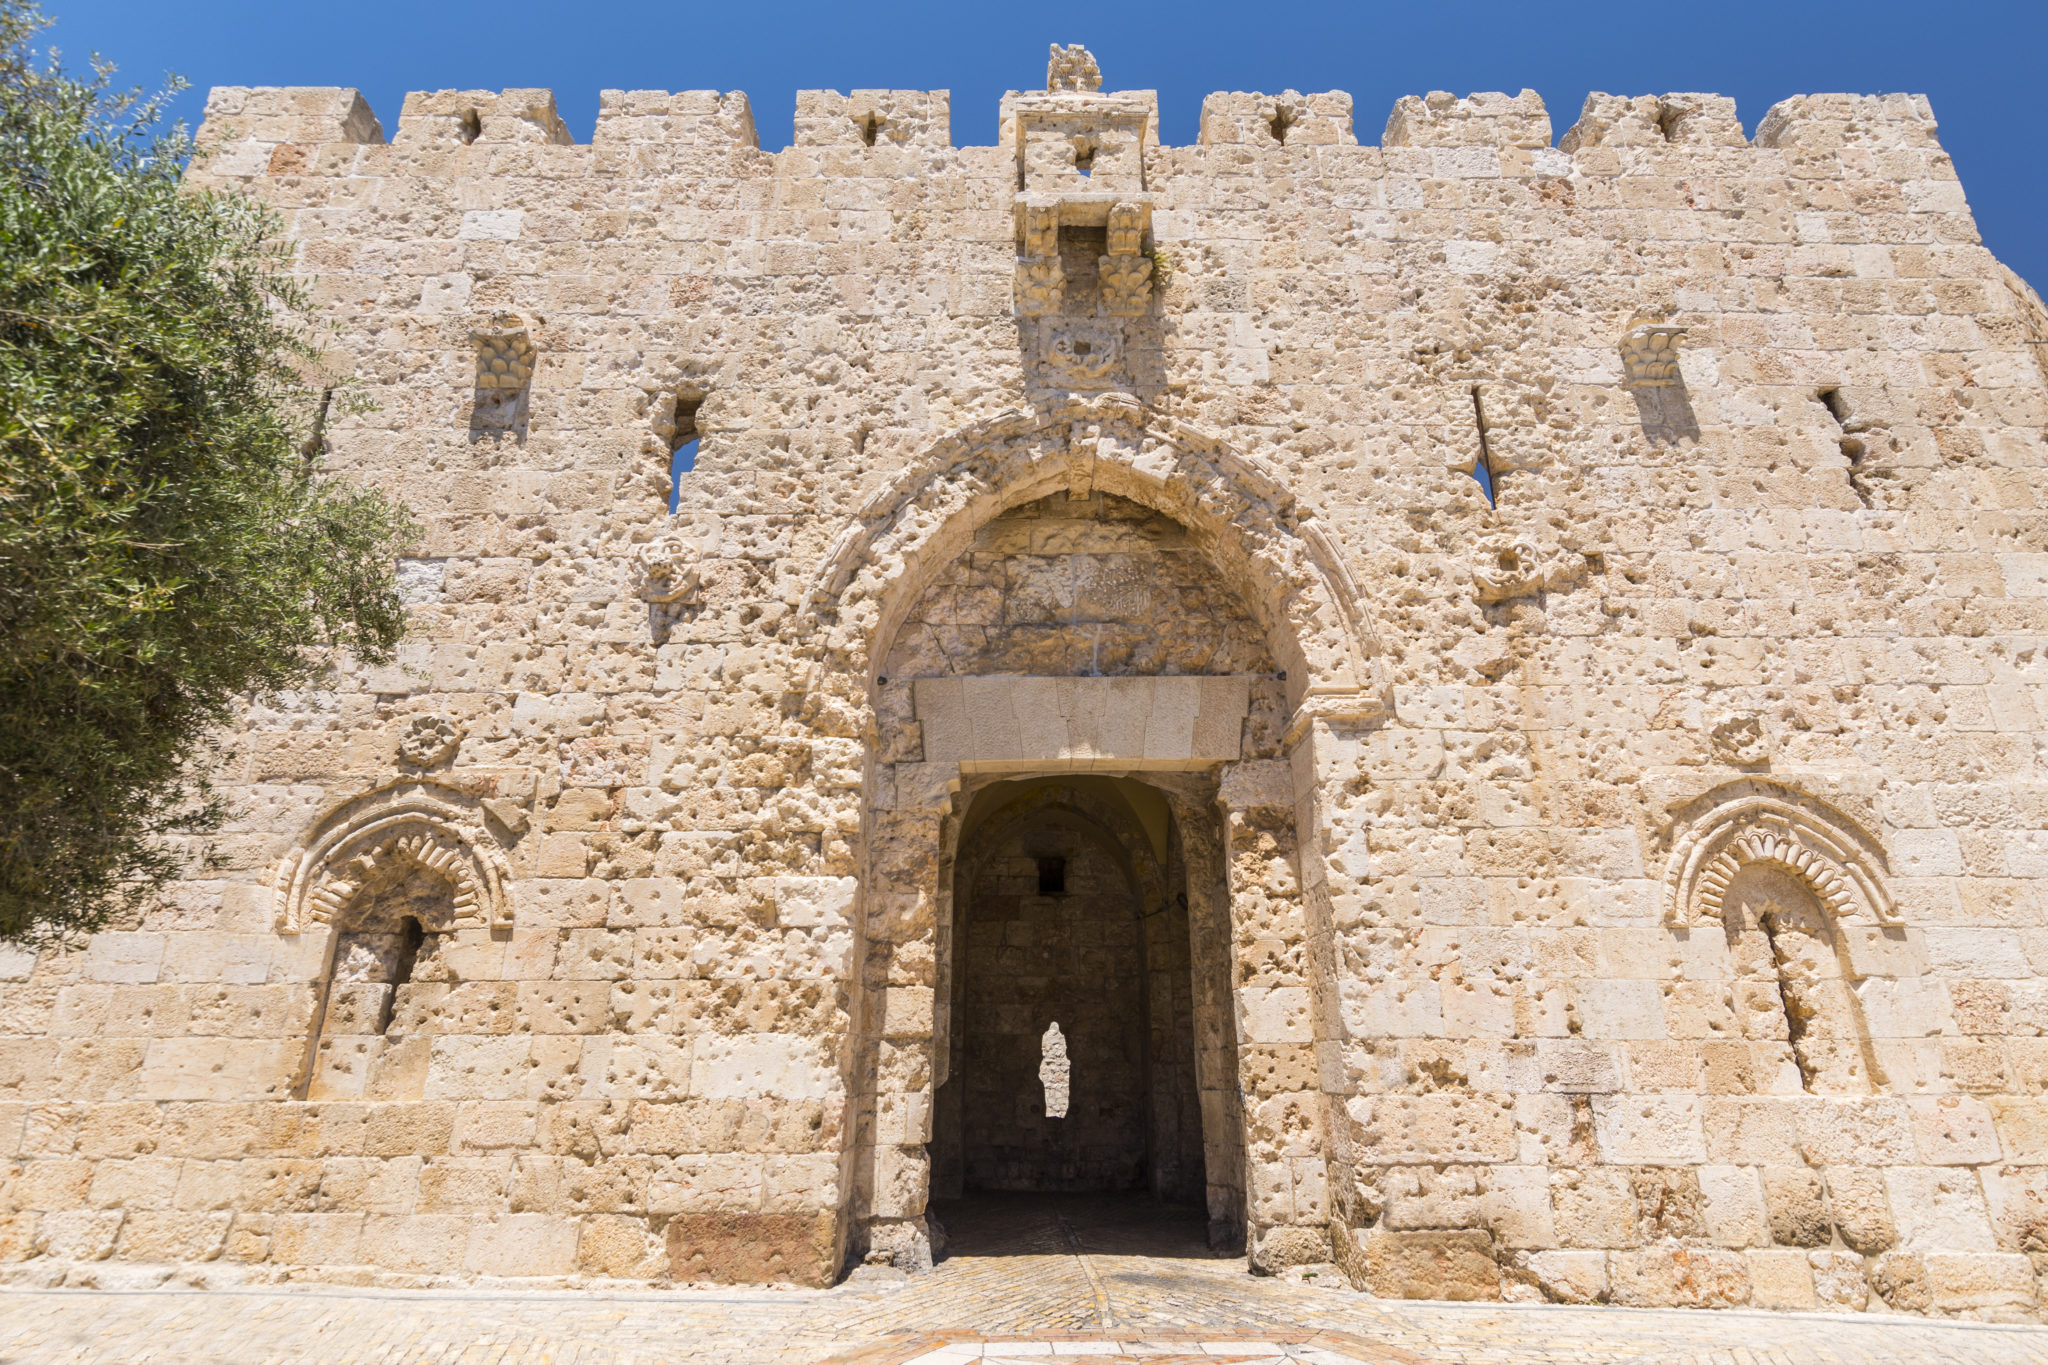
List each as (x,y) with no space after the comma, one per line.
(1047,725)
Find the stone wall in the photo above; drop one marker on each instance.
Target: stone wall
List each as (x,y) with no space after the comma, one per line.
(1625,888)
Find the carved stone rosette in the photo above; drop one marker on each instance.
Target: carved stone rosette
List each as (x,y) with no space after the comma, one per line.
(1510,567)
(1083,355)
(668,570)
(429,739)
(1740,739)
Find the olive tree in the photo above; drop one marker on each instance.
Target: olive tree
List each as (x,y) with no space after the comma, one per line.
(170,544)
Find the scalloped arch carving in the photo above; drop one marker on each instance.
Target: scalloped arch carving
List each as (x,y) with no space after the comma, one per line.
(422,824)
(1843,864)
(1266,542)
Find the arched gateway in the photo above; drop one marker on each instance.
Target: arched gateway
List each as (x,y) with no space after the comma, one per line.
(1088,612)
(862,751)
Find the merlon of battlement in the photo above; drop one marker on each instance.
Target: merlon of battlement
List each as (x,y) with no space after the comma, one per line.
(701,118)
(1823,123)
(245,124)
(1288,119)
(1653,121)
(1490,119)
(456,118)
(874,118)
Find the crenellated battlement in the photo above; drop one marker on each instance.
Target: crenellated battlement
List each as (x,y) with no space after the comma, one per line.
(245,124)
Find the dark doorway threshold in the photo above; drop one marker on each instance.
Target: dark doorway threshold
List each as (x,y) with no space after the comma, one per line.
(1092,1224)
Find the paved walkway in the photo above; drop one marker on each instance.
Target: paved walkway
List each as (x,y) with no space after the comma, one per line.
(1022,1281)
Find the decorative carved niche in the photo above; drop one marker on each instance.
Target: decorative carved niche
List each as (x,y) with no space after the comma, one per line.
(1055,1071)
(423,824)
(1842,865)
(1124,272)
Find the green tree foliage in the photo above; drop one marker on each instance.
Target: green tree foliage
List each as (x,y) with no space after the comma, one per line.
(169,546)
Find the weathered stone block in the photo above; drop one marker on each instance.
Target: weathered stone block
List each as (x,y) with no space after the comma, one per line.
(756,1248)
(1432,1265)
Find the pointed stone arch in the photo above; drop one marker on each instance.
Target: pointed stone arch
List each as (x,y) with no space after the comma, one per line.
(1272,807)
(426,824)
(1266,542)
(1752,821)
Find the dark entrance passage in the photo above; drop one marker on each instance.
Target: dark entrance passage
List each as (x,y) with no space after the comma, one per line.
(1070,909)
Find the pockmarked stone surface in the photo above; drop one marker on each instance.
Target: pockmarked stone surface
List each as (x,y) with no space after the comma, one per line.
(1079,1277)
(1492,682)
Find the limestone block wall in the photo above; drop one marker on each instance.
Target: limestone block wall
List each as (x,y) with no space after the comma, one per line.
(1631,888)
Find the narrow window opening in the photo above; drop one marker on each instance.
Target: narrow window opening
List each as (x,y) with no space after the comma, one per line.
(1280,123)
(1482,463)
(410,936)
(472,126)
(682,446)
(869,127)
(1052,876)
(1084,157)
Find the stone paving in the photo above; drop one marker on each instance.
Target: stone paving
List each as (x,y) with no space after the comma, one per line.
(1023,1280)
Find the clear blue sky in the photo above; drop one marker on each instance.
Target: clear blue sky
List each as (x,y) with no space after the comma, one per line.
(1979,61)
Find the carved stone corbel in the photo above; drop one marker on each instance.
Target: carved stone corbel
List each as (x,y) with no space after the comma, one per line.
(1041,284)
(504,356)
(1649,355)
(1126,274)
